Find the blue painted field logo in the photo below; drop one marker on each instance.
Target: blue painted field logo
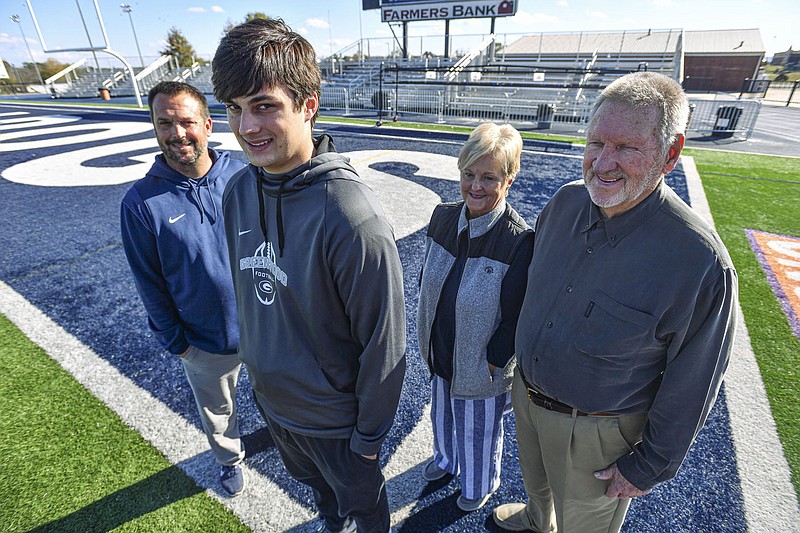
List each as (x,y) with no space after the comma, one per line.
(779,256)
(266,273)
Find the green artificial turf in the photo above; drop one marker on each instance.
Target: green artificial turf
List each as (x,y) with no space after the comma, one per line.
(761,193)
(69,464)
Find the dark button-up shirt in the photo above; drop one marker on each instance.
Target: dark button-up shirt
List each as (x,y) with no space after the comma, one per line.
(630,314)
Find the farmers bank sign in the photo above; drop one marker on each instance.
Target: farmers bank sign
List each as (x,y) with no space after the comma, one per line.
(406,11)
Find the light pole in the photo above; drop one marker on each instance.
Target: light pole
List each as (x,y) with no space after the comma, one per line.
(127,9)
(15,18)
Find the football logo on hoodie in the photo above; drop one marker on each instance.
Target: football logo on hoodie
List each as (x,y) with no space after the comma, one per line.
(266,274)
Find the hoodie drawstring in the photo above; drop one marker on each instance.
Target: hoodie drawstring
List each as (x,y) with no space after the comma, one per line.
(213,203)
(262,215)
(279,216)
(323,144)
(196,188)
(198,198)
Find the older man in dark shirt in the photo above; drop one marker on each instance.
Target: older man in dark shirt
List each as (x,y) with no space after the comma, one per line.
(627,324)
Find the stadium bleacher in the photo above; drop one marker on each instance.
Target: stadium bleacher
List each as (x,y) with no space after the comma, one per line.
(544,80)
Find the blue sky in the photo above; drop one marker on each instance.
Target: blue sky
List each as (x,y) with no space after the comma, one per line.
(334,24)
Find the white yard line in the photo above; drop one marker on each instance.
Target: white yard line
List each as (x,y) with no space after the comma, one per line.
(770,500)
(264,507)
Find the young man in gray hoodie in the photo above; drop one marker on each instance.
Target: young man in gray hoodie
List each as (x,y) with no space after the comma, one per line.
(317,278)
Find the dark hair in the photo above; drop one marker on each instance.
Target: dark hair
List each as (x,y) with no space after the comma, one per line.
(263,53)
(173,88)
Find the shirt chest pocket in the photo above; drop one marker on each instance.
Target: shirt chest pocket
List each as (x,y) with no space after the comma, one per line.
(610,329)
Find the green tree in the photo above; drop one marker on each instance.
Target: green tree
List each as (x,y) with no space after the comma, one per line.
(247,18)
(27,73)
(256,15)
(13,73)
(51,67)
(9,68)
(6,85)
(179,47)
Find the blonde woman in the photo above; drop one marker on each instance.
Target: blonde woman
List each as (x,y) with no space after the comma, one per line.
(471,288)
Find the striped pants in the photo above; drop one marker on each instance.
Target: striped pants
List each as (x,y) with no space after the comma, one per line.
(468,438)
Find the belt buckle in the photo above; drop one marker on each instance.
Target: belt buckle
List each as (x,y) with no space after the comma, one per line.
(533,394)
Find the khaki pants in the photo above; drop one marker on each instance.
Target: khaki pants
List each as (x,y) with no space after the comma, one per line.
(559,454)
(213,379)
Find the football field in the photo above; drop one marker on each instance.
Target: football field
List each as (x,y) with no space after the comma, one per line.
(66,287)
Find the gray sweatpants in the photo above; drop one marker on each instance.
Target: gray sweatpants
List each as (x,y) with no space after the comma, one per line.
(213,379)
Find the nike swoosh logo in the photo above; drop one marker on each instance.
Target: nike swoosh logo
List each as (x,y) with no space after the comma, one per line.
(173,220)
(244,232)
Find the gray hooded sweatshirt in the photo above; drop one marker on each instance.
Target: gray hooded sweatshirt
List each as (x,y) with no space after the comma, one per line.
(319,290)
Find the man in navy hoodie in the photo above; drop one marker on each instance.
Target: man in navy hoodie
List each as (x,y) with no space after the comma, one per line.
(174,239)
(317,276)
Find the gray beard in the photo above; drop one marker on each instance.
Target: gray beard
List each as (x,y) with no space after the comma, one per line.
(648,183)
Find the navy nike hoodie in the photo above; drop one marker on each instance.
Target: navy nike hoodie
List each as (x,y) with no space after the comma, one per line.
(319,288)
(174,239)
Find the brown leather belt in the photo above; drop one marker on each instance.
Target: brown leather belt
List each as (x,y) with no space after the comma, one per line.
(554,405)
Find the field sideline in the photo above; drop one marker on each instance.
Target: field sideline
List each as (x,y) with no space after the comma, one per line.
(62,283)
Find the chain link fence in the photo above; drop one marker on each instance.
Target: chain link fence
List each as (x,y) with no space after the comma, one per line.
(724,117)
(778,92)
